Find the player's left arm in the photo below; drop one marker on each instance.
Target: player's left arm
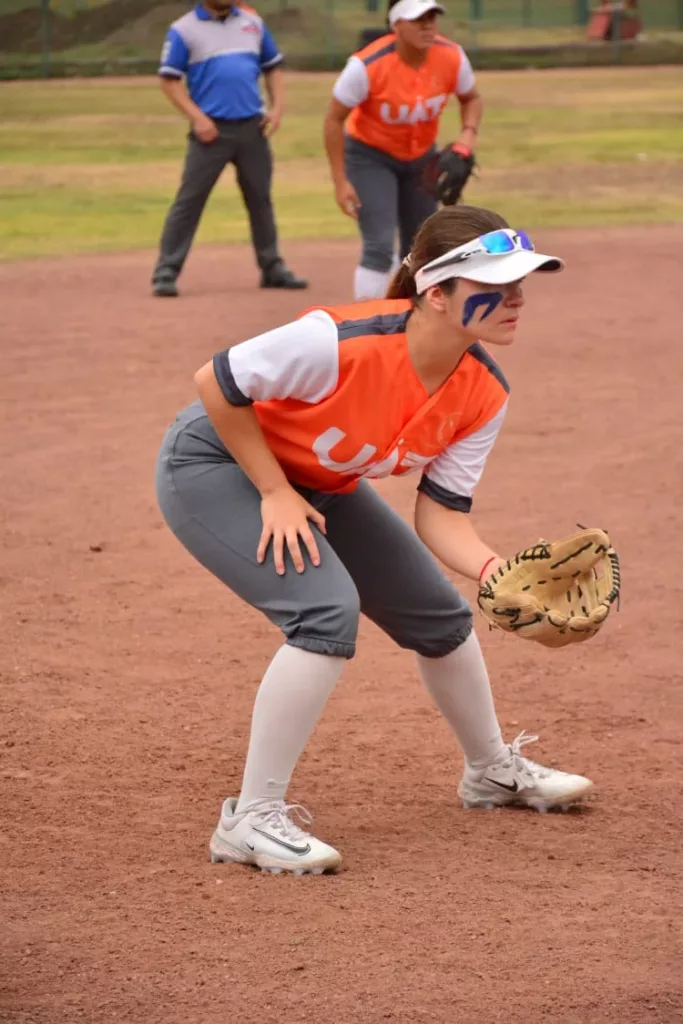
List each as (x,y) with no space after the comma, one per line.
(271,66)
(442,519)
(471,104)
(275,88)
(452,538)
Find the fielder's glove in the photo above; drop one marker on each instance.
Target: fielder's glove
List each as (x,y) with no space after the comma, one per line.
(447,173)
(554,593)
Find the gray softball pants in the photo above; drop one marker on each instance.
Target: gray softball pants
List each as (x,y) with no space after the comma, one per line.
(244,144)
(371,560)
(391,197)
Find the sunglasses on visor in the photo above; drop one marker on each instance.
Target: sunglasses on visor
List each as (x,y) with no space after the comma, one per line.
(494,243)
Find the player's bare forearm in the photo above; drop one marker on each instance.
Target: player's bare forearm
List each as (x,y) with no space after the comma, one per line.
(451,536)
(175,91)
(275,89)
(240,432)
(333,136)
(471,113)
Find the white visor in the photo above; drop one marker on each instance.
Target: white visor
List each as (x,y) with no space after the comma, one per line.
(501,268)
(411,10)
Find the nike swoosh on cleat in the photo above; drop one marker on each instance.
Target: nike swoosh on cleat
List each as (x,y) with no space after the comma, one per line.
(503,785)
(301,850)
(249,846)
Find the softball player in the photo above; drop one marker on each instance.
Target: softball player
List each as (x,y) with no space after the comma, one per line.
(263,480)
(381,128)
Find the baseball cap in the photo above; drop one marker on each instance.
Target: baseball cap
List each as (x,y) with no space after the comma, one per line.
(411,10)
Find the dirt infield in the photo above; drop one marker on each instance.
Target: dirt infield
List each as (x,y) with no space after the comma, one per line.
(128,676)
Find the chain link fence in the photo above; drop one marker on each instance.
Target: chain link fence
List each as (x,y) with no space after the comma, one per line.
(56,37)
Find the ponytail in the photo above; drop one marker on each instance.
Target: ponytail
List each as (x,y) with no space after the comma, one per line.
(444,230)
(402,284)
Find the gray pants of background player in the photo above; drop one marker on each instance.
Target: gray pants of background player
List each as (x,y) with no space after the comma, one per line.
(371,560)
(391,197)
(244,144)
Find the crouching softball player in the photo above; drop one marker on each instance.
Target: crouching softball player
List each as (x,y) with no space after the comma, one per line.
(262,480)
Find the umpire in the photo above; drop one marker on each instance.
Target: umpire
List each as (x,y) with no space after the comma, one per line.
(221,49)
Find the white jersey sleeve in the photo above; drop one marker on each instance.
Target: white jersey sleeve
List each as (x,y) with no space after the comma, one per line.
(465,81)
(352,86)
(299,360)
(452,477)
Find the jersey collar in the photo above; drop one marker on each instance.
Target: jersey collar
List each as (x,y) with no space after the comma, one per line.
(205,15)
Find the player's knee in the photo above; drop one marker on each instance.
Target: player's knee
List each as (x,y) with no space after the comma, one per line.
(378,254)
(442,629)
(328,627)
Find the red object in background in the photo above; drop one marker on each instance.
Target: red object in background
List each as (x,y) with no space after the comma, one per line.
(615,17)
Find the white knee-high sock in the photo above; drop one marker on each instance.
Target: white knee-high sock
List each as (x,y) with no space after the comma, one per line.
(459,685)
(370,284)
(289,702)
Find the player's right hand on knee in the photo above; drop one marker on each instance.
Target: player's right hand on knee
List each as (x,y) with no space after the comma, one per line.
(347,199)
(285,515)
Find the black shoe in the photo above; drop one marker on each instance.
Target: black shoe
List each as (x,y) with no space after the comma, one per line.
(280,276)
(165,289)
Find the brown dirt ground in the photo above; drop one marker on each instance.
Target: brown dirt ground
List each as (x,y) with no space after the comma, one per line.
(128,675)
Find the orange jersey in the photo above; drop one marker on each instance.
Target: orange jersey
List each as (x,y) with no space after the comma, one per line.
(404,104)
(338,399)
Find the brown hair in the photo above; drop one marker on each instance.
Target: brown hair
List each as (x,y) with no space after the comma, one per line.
(392,3)
(446,229)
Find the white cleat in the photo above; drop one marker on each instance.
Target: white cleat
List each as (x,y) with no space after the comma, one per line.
(518,781)
(265,835)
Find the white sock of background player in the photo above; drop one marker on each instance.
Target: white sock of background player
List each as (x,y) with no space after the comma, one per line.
(370,284)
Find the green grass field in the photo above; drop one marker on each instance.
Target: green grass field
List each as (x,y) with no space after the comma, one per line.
(85,33)
(91,165)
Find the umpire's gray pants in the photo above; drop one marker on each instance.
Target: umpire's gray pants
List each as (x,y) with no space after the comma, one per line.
(371,560)
(244,144)
(391,196)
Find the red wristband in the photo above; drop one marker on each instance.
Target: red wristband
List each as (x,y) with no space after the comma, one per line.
(487,562)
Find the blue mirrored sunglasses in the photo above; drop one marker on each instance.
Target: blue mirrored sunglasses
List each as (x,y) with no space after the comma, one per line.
(497,243)
(494,243)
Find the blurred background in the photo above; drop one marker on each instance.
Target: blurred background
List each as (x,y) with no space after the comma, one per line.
(58,37)
(91,151)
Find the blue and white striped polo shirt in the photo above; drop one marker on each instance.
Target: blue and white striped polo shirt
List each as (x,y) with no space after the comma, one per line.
(222,58)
